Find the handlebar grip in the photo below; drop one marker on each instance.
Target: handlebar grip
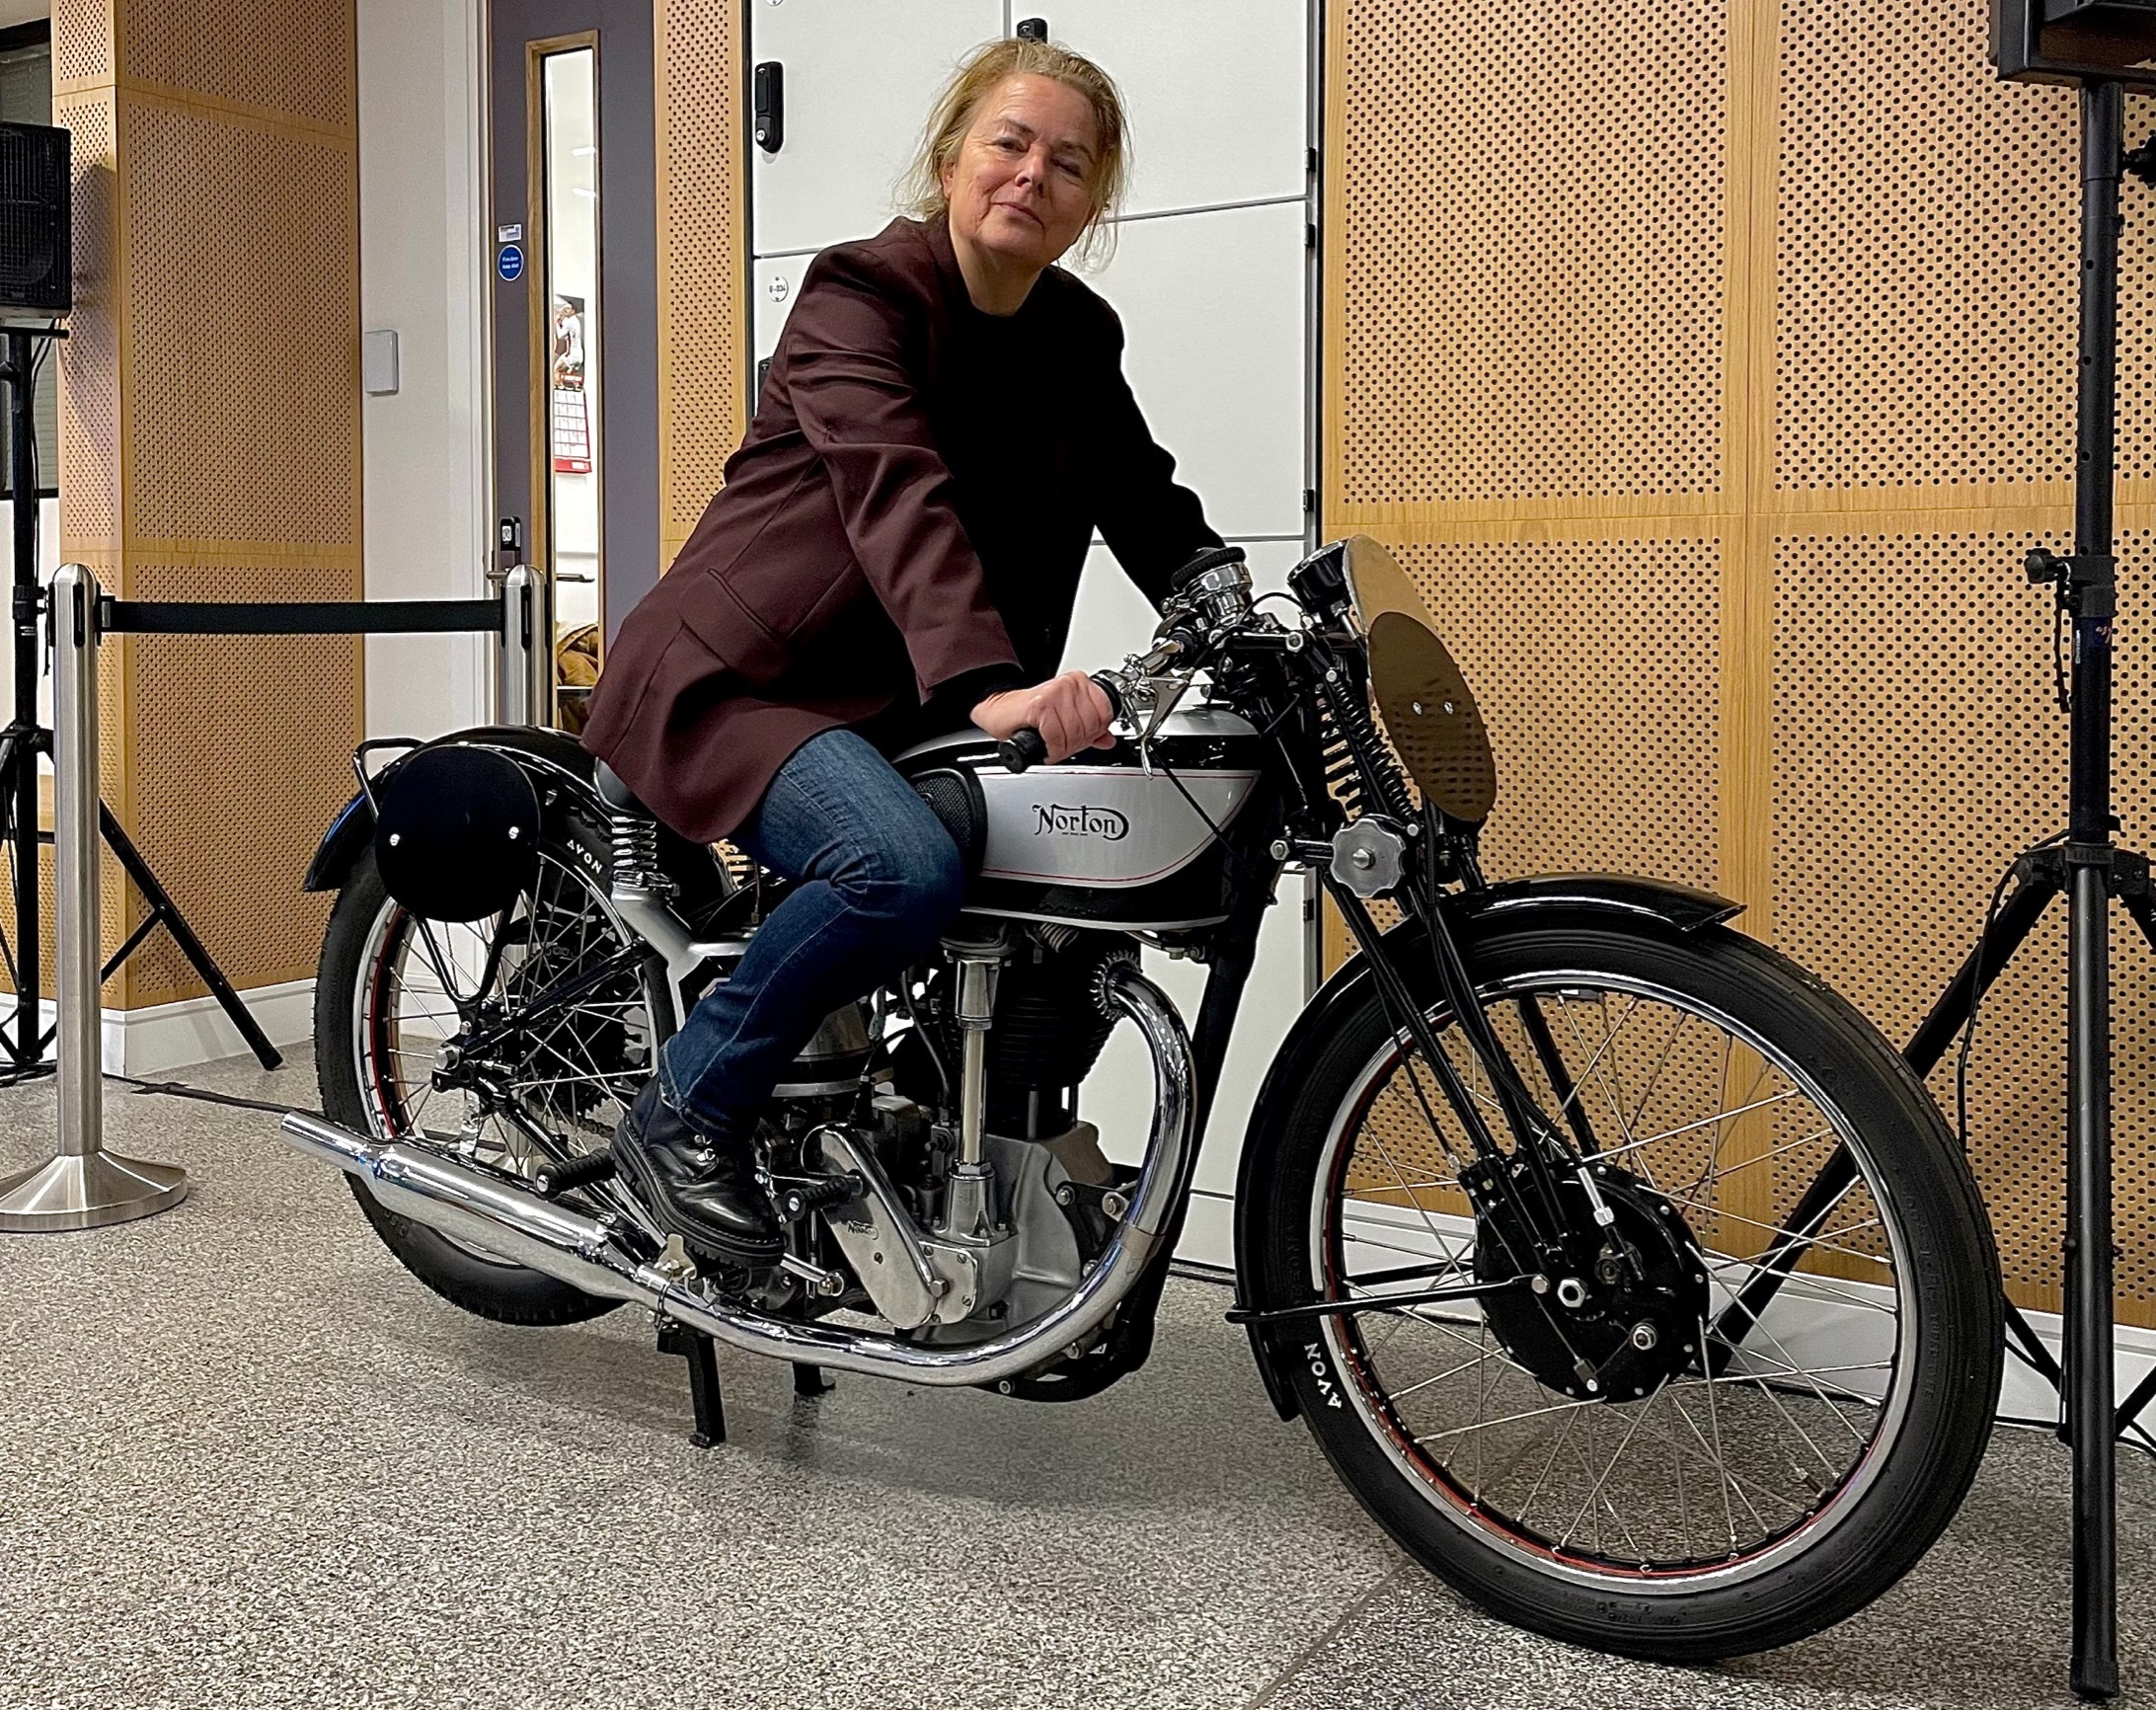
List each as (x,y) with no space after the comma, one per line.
(1021,749)
(1024,749)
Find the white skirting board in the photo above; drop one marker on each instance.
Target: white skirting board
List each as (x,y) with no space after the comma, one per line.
(1208,1238)
(167,1036)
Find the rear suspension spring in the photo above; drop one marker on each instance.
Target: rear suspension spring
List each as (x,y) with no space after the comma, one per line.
(635,840)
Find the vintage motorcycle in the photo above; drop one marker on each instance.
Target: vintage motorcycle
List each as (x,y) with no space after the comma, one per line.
(1624,1273)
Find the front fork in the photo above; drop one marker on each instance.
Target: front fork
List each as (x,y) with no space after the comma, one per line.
(1532,1196)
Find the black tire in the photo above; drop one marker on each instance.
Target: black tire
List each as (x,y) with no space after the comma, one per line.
(574,862)
(1678,1600)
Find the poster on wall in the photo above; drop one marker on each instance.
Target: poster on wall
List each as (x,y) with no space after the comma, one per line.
(571,423)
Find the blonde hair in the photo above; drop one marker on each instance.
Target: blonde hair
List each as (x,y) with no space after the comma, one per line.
(921,192)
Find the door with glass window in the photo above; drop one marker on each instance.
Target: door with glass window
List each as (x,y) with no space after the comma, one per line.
(574,264)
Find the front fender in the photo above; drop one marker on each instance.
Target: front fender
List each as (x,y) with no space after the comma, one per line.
(1547,898)
(550,756)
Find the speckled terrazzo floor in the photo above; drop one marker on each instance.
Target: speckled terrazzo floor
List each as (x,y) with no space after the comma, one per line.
(245,1461)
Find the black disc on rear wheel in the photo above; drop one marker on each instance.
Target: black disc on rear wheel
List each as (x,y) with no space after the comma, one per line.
(1622,1455)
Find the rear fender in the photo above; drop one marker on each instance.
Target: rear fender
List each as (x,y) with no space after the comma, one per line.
(1542,901)
(552,759)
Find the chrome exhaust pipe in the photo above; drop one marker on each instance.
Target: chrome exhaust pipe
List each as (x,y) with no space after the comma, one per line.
(520,1226)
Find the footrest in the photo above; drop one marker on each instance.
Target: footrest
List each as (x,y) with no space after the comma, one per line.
(554,1178)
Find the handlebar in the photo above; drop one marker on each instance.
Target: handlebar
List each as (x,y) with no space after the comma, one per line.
(1024,749)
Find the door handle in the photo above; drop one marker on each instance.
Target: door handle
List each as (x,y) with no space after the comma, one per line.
(768,106)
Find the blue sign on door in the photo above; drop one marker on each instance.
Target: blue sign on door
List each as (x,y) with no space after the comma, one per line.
(509,261)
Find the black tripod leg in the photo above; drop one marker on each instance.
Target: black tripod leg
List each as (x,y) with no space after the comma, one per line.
(2016,918)
(164,909)
(2129,1410)
(22,775)
(706,1403)
(2033,1354)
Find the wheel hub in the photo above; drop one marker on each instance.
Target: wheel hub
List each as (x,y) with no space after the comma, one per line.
(1624,1316)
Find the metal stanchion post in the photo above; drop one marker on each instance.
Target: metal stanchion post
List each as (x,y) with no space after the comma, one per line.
(85,1186)
(524,684)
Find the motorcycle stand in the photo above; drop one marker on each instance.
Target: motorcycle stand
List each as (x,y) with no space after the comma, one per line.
(705,1400)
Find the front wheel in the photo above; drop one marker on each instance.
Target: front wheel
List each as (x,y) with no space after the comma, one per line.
(1768,1380)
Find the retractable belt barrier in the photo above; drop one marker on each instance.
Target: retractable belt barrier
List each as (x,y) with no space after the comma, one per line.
(318,617)
(84,1185)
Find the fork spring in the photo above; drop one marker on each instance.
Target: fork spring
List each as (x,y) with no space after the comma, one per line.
(1356,760)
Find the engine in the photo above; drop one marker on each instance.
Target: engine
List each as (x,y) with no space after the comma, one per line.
(1047,1029)
(972,1215)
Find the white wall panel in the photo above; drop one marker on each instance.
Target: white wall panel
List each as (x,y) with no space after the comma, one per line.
(1212,304)
(859,76)
(424,264)
(1212,312)
(1215,91)
(1113,620)
(776,282)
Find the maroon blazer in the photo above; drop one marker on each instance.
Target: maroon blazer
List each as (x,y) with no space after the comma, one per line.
(904,523)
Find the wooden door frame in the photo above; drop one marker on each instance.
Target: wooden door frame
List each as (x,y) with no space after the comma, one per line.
(538,311)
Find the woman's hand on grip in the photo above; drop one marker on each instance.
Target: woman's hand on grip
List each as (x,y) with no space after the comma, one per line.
(1071,712)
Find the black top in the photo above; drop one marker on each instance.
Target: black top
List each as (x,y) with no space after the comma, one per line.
(905,521)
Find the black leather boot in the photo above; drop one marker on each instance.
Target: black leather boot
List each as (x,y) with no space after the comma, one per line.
(702,1185)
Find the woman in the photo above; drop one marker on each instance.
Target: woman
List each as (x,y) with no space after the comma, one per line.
(895,551)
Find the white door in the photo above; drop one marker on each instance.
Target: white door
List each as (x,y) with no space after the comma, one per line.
(1211,276)
(857,78)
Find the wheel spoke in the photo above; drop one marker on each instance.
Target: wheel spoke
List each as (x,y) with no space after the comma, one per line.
(1700,1465)
(569,1071)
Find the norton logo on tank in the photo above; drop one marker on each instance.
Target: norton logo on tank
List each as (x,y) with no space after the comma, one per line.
(1105,824)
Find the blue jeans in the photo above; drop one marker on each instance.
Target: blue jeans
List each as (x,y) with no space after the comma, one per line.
(879,881)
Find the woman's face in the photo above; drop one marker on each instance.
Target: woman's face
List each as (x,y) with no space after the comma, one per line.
(1022,186)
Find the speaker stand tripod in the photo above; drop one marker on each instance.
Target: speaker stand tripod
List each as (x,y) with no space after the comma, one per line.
(2090,869)
(21,741)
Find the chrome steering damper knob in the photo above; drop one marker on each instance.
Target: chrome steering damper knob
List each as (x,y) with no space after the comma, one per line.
(1370,856)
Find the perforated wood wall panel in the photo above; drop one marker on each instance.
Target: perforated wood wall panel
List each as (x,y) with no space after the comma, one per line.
(296,64)
(82,42)
(238,765)
(702,324)
(89,357)
(1533,255)
(211,446)
(1926,209)
(1767,437)
(226,441)
(1599,686)
(1916,751)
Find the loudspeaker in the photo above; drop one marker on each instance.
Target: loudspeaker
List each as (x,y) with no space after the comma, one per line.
(2072,40)
(37,245)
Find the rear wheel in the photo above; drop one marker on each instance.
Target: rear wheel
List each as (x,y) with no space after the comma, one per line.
(1626,1457)
(393,992)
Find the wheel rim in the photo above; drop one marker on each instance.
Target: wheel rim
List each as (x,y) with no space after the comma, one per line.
(572,1074)
(1708,1479)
